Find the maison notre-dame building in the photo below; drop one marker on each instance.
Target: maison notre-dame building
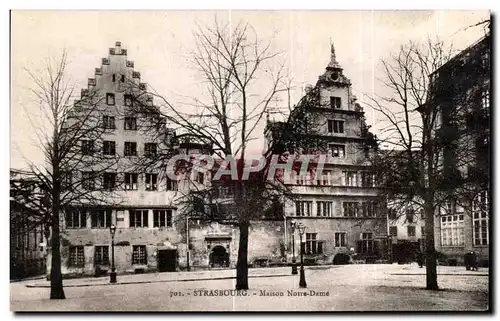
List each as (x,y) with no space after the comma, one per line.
(339,210)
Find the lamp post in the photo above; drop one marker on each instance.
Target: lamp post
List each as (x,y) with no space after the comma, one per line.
(302,282)
(294,264)
(112,275)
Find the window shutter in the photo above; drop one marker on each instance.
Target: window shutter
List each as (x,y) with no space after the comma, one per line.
(320,247)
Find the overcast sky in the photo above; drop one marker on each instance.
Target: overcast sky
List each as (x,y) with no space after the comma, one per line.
(158,42)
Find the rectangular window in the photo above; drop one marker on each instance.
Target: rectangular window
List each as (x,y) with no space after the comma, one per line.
(335,102)
(411,230)
(200,177)
(393,230)
(130,123)
(367,179)
(101,255)
(324,209)
(422,231)
(480,219)
(109,181)
(313,246)
(131,181)
(171,184)
(350,178)
(303,208)
(410,215)
(338,126)
(128,100)
(101,218)
(109,147)
(326,179)
(330,126)
(367,243)
(151,182)
(130,149)
(110,99)
(162,218)
(392,214)
(66,179)
(139,254)
(452,230)
(122,78)
(138,218)
(486,100)
(150,149)
(87,147)
(369,209)
(338,150)
(76,256)
(351,209)
(340,239)
(108,122)
(88,181)
(76,218)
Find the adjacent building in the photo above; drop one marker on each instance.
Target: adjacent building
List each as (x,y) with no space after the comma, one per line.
(27,233)
(460,90)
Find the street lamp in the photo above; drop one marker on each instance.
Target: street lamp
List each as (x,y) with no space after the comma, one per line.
(294,264)
(302,282)
(112,275)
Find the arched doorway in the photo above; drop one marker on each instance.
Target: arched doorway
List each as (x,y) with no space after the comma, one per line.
(219,257)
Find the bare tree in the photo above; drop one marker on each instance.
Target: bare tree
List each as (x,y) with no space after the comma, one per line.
(242,79)
(69,134)
(414,172)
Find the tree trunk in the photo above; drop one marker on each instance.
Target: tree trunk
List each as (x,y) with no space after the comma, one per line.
(430,250)
(242,264)
(56,281)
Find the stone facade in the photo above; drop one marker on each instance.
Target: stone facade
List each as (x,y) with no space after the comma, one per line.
(348,223)
(340,210)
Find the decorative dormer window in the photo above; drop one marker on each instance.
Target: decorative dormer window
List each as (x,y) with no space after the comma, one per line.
(105,61)
(124,51)
(98,71)
(92,82)
(111,51)
(335,102)
(136,74)
(142,86)
(130,64)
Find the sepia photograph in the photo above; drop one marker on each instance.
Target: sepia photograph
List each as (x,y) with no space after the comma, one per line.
(250,160)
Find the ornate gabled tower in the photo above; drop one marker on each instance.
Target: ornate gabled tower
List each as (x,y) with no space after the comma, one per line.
(333,74)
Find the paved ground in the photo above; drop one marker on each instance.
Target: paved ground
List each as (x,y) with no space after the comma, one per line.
(334,288)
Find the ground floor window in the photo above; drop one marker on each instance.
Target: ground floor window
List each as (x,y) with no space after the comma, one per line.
(480,219)
(162,218)
(480,223)
(452,230)
(367,243)
(139,254)
(313,246)
(101,255)
(76,256)
(340,239)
